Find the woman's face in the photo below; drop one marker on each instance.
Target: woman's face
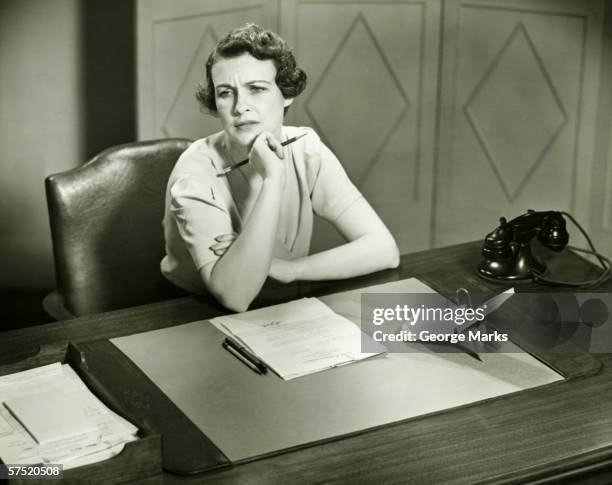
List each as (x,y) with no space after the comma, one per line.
(248,99)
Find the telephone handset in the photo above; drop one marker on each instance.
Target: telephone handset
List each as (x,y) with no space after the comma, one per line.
(507,252)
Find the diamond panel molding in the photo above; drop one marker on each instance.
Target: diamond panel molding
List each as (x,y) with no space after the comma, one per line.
(184,118)
(371,83)
(515,130)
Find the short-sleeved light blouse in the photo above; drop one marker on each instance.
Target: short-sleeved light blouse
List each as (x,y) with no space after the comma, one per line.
(200,205)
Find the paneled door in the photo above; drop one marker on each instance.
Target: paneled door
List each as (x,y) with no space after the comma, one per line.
(372,70)
(519,94)
(174,40)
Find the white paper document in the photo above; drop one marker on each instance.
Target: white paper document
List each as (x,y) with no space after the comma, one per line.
(297,338)
(62,416)
(48,415)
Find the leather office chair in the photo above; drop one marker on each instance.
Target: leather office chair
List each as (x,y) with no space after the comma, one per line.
(106,229)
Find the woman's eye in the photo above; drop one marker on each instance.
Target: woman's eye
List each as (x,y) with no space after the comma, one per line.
(257,89)
(224,94)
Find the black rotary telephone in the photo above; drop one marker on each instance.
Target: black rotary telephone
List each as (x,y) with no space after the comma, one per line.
(507,252)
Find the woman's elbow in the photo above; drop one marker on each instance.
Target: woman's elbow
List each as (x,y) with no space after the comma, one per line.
(236,306)
(389,252)
(234,302)
(383,252)
(229,295)
(393,255)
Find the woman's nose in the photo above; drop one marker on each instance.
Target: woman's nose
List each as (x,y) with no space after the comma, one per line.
(241,104)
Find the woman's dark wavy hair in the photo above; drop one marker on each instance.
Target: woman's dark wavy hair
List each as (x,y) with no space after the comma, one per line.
(261,44)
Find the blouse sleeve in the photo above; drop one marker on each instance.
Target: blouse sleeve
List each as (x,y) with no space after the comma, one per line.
(332,192)
(201,215)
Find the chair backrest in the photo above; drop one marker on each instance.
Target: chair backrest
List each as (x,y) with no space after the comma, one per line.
(106,227)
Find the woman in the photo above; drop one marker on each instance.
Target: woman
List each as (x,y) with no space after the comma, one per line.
(228,228)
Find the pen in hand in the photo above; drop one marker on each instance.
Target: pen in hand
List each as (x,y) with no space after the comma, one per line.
(227,170)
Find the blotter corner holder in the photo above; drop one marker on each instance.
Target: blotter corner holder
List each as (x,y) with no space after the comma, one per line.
(570,365)
(137,460)
(127,390)
(167,439)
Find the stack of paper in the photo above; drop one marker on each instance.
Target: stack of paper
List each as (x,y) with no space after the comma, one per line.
(48,415)
(297,338)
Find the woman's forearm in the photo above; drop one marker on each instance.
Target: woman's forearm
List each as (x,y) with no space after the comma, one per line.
(361,256)
(239,274)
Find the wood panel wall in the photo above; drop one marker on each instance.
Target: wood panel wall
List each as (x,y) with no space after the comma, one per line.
(447,114)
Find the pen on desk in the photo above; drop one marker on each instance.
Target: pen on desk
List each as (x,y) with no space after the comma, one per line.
(227,170)
(244,355)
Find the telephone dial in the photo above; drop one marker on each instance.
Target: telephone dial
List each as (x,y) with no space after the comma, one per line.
(508,256)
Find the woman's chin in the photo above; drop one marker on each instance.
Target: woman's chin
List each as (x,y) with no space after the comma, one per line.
(244,139)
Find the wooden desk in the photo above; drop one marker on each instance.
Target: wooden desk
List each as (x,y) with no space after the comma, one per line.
(560,432)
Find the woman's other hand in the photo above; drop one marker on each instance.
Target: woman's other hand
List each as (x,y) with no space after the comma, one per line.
(224,241)
(267,156)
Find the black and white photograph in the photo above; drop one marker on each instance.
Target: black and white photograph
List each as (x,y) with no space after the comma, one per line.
(306,241)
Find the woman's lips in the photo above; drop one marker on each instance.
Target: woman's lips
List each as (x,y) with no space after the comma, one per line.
(244,125)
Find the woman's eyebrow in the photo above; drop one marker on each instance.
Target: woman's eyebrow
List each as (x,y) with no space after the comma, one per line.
(230,86)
